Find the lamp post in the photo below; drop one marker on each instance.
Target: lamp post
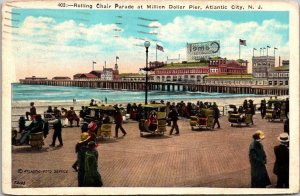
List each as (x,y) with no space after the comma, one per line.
(146,44)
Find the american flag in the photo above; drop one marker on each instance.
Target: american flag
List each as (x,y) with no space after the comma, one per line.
(158,47)
(243,42)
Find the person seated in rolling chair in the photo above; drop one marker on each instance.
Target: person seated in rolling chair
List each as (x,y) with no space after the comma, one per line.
(202,118)
(36,126)
(106,119)
(152,121)
(71,116)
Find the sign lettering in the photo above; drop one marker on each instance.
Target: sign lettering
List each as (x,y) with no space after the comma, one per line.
(203,50)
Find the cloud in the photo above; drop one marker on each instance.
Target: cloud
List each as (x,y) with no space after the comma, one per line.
(72,44)
(197,29)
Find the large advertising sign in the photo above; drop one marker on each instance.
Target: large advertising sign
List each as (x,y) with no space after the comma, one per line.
(200,50)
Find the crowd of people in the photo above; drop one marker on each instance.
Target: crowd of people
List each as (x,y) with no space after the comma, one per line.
(184,109)
(86,163)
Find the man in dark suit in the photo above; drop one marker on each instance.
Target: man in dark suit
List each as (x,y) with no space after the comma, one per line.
(281,166)
(57,126)
(173,115)
(216,115)
(119,121)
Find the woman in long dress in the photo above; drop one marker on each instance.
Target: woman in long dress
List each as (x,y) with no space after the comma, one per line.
(92,176)
(258,159)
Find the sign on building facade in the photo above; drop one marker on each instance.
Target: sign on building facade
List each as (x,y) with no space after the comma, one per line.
(196,51)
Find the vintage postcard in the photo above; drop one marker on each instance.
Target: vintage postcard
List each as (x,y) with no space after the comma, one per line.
(112,97)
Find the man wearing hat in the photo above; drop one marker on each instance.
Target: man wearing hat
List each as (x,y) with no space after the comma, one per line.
(281,166)
(119,121)
(216,114)
(57,126)
(251,110)
(257,156)
(173,115)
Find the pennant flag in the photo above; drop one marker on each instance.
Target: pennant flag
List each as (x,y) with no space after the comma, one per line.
(158,47)
(117,57)
(275,48)
(268,47)
(243,42)
(94,62)
(254,48)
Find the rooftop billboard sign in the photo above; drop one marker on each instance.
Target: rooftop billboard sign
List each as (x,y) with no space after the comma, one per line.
(197,51)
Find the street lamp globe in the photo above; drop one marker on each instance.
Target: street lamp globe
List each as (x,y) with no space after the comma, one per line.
(147,44)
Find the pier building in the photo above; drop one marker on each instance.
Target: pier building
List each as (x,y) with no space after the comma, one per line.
(198,71)
(279,76)
(221,66)
(61,78)
(96,73)
(105,74)
(265,72)
(85,76)
(235,80)
(36,78)
(132,77)
(261,65)
(194,72)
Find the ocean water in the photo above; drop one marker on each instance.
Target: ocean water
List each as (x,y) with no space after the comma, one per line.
(24,92)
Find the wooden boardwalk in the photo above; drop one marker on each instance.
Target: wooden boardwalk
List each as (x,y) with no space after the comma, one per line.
(217,158)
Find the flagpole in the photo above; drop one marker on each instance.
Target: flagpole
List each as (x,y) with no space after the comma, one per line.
(260,52)
(239,48)
(93,65)
(274,50)
(156,52)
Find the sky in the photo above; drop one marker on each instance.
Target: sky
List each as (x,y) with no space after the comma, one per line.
(65,42)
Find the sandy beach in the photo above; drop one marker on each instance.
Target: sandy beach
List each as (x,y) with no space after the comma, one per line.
(20,107)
